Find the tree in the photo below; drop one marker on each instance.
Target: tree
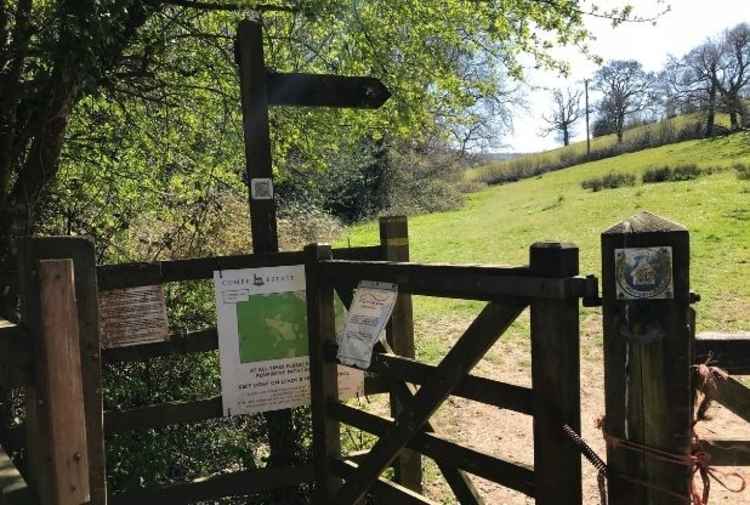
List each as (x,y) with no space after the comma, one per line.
(691,81)
(89,62)
(733,74)
(626,87)
(566,110)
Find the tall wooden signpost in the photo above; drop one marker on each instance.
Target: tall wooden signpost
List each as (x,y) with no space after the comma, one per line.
(260,89)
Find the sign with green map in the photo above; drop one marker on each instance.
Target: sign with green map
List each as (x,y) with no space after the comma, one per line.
(263,340)
(274,326)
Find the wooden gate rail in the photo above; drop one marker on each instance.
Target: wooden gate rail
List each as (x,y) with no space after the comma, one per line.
(243,482)
(464,282)
(480,389)
(130,275)
(511,475)
(730,352)
(551,287)
(385,491)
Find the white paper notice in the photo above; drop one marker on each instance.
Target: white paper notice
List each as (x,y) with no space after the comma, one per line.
(263,341)
(370,311)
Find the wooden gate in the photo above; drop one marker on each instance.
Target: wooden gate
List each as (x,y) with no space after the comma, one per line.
(731,353)
(550,285)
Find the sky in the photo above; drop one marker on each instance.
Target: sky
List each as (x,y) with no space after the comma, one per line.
(688,24)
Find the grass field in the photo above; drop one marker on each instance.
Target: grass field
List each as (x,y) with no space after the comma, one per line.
(498,224)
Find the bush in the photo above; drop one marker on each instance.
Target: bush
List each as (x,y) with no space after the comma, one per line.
(666,173)
(656,174)
(609,181)
(742,171)
(686,172)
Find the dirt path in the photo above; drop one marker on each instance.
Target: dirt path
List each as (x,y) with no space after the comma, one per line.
(508,435)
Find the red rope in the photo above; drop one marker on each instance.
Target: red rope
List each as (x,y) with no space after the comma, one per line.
(699,461)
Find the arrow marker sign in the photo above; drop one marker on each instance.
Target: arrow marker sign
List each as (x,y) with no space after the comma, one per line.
(317,90)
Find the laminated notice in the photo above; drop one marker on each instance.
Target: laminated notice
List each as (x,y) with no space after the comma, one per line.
(370,311)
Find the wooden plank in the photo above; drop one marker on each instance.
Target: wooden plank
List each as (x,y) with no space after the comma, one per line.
(511,475)
(728,351)
(555,375)
(165,414)
(59,368)
(14,489)
(475,342)
(648,367)
(323,374)
(727,452)
(460,483)
(320,90)
(385,491)
(84,258)
(191,342)
(254,94)
(233,484)
(394,240)
(129,275)
(465,282)
(735,396)
(471,387)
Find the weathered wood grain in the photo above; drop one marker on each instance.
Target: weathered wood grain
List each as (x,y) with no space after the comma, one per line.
(648,367)
(556,383)
(59,368)
(460,281)
(233,484)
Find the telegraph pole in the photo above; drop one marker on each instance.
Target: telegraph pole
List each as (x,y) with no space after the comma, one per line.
(588,135)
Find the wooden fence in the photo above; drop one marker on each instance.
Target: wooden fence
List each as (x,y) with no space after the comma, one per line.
(21,355)
(650,354)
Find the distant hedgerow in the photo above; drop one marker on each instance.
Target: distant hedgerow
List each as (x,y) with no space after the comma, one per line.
(666,173)
(609,181)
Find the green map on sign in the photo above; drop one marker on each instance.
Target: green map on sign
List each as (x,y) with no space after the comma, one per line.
(274,326)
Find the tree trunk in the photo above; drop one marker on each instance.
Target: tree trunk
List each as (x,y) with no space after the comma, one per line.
(711,115)
(566,136)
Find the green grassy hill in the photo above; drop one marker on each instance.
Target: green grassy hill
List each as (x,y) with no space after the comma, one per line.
(498,224)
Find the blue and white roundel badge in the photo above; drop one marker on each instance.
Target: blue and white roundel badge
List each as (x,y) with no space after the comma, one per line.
(644,273)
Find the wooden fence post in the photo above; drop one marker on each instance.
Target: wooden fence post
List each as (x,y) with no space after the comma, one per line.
(83,255)
(59,380)
(323,374)
(555,369)
(647,358)
(394,239)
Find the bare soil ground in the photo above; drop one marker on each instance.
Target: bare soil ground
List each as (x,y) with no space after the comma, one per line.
(508,435)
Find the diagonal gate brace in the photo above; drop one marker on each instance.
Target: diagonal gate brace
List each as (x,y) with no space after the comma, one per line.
(491,323)
(458,480)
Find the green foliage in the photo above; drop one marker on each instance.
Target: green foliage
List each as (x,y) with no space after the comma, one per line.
(610,181)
